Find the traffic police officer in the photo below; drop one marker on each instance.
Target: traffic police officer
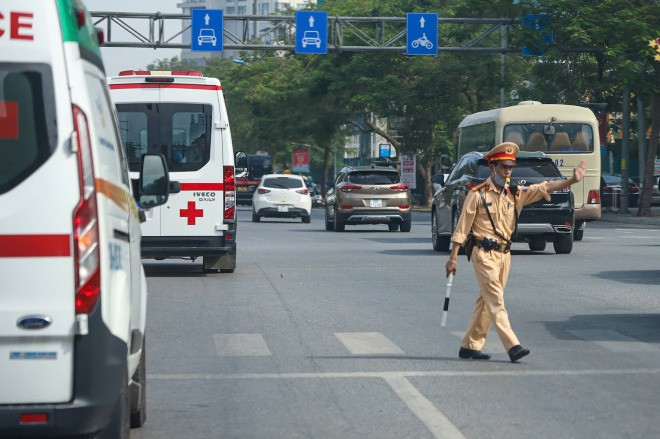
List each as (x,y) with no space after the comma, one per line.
(490,257)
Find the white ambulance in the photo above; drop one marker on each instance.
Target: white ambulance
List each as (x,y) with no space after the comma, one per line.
(72,287)
(182,115)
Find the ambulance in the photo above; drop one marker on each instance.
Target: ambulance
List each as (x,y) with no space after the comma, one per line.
(72,288)
(182,115)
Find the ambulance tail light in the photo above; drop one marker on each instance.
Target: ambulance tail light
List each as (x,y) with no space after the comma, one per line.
(229,186)
(593,197)
(85,221)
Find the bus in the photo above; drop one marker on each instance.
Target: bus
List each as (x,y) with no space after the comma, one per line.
(259,165)
(567,133)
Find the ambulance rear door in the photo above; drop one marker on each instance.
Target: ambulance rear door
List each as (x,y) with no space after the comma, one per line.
(39,192)
(194,150)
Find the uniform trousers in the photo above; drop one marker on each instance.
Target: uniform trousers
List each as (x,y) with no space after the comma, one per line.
(492,271)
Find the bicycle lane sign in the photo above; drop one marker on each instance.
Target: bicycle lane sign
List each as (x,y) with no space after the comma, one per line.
(421,34)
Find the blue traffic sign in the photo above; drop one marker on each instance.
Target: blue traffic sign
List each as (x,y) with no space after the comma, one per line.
(422,34)
(541,34)
(312,32)
(206,30)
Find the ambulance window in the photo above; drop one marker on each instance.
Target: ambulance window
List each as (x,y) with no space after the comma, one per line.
(190,139)
(28,130)
(133,128)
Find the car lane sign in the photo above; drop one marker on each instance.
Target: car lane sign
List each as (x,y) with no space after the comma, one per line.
(312,32)
(206,30)
(422,34)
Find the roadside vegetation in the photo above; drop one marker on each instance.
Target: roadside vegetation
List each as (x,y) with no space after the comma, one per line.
(278,100)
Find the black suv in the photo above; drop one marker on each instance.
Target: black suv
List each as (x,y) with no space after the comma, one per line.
(539,222)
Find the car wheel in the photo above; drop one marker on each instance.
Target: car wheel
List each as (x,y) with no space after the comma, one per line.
(329,225)
(393,227)
(537,245)
(339,225)
(139,391)
(564,244)
(255,217)
(306,219)
(406,226)
(578,231)
(440,243)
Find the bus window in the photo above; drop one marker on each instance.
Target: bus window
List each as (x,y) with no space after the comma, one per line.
(564,138)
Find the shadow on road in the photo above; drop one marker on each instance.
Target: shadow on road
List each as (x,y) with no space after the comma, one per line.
(642,327)
(183,269)
(639,277)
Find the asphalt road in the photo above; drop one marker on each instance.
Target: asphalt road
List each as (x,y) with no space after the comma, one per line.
(337,335)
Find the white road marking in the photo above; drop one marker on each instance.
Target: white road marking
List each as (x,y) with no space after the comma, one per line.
(492,345)
(395,374)
(367,343)
(431,417)
(241,345)
(614,341)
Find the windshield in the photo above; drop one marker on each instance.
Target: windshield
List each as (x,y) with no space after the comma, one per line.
(181,132)
(552,138)
(258,166)
(525,169)
(373,177)
(283,183)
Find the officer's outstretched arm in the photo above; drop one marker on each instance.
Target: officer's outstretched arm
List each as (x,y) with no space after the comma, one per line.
(578,174)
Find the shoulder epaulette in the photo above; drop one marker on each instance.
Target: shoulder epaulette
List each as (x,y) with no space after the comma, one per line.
(479,186)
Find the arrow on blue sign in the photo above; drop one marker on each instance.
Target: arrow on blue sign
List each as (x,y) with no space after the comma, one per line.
(311,32)
(206,30)
(422,34)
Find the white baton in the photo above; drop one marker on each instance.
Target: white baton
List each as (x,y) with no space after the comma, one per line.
(446,308)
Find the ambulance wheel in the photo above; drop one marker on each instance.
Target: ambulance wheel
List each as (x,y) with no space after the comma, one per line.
(139,392)
(306,219)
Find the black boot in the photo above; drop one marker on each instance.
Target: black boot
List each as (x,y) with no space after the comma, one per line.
(517,352)
(472,354)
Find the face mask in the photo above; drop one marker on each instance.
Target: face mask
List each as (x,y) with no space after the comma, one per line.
(498,180)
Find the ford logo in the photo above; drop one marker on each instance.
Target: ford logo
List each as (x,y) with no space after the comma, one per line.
(34,322)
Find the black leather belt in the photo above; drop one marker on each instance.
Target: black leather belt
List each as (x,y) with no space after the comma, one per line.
(491,244)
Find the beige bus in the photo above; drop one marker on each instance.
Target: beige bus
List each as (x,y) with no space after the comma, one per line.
(567,133)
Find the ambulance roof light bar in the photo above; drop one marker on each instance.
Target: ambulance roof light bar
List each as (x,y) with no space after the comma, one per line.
(161,73)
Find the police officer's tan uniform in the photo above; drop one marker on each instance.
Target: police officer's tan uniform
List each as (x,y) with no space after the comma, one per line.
(492,267)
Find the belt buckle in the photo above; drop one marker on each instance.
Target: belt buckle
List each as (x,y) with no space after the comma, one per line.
(501,247)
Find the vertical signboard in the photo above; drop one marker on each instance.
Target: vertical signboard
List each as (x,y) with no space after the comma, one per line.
(409,171)
(312,32)
(300,160)
(422,34)
(206,30)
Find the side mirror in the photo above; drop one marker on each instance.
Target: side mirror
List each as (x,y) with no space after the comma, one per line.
(438,179)
(240,164)
(154,181)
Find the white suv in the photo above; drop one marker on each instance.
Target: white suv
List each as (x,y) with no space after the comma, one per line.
(72,287)
(282,196)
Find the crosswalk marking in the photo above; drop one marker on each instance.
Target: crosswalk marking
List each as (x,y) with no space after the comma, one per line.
(241,345)
(613,341)
(367,343)
(492,345)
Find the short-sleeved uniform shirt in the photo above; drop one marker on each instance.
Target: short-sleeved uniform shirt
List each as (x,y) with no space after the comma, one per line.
(500,203)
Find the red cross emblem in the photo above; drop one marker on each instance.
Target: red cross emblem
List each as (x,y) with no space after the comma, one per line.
(191,213)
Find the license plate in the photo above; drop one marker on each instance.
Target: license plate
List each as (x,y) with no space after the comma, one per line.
(282,208)
(376,203)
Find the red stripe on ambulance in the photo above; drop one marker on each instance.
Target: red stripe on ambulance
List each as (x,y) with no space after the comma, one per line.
(34,246)
(163,85)
(201,186)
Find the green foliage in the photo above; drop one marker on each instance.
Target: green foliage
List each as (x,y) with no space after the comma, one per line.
(174,63)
